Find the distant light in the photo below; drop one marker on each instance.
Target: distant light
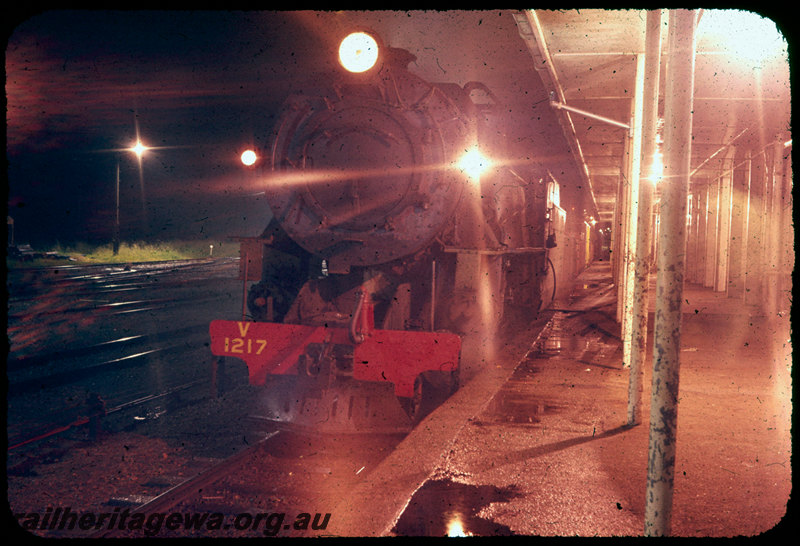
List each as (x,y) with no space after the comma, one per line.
(139,149)
(473,163)
(456,529)
(553,193)
(358,52)
(249,157)
(748,35)
(657,168)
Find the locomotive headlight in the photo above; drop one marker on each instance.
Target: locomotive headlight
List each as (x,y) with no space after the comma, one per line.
(249,158)
(358,52)
(473,163)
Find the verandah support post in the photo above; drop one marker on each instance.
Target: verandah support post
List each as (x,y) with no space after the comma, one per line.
(633,171)
(652,65)
(679,98)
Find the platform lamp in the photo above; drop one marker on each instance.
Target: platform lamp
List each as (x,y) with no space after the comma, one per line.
(139,149)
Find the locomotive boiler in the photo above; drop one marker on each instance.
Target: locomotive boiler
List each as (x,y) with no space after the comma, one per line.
(391,263)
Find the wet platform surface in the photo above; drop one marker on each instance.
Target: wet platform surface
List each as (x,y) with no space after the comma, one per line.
(538,445)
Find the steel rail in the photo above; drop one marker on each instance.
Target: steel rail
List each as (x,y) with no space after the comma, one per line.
(184,490)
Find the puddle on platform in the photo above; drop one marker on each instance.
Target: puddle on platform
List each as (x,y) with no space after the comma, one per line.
(519,400)
(558,339)
(588,341)
(447,508)
(509,407)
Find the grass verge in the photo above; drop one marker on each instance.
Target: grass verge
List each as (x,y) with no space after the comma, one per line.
(129,252)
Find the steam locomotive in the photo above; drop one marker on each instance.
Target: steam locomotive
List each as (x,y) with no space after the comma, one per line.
(391,263)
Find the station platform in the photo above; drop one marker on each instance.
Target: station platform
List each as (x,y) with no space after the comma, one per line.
(538,443)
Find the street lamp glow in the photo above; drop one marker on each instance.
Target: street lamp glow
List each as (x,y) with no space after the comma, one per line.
(249,157)
(139,149)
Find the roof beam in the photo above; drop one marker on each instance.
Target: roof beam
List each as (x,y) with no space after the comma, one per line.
(530,30)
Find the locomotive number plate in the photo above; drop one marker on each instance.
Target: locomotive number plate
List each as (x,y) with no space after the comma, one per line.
(243,344)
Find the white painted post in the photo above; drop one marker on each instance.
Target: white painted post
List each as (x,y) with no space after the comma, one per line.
(679,99)
(652,65)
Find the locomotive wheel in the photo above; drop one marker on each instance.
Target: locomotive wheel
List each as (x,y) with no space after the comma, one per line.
(431,389)
(420,402)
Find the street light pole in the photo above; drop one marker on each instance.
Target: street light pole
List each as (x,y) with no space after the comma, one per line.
(115,236)
(139,149)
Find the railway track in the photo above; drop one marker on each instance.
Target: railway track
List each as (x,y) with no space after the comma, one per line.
(151,372)
(23,434)
(142,369)
(64,309)
(286,484)
(80,347)
(179,493)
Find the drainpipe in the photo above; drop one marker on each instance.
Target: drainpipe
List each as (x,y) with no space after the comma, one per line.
(561,106)
(652,65)
(679,98)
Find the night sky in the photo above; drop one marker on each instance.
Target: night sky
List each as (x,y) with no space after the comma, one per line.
(200,87)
